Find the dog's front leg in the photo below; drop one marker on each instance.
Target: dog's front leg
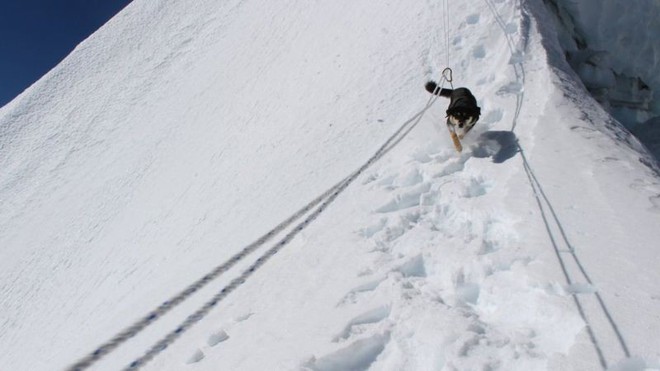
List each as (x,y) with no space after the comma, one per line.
(454,137)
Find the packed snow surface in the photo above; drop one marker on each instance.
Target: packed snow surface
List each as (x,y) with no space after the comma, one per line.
(156,156)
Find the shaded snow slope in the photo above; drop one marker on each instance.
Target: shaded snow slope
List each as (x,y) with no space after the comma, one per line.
(613,47)
(153,154)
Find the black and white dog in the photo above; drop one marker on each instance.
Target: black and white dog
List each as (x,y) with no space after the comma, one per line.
(462,112)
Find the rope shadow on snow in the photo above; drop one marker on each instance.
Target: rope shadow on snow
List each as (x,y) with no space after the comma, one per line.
(499,145)
(516,60)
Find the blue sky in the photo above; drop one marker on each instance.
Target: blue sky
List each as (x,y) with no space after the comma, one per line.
(35,35)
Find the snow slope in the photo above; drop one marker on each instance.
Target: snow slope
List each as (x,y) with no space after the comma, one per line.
(616,54)
(176,136)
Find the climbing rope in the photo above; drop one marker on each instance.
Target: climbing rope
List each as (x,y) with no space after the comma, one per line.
(445,4)
(333,194)
(170,304)
(324,200)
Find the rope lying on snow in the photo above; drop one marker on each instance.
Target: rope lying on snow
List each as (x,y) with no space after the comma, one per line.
(168,305)
(541,200)
(546,209)
(324,200)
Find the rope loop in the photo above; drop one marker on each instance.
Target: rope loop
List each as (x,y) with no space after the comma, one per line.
(447,75)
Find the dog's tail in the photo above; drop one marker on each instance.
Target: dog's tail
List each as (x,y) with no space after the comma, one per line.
(432,87)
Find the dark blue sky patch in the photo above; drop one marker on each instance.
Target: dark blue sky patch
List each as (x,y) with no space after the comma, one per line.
(35,35)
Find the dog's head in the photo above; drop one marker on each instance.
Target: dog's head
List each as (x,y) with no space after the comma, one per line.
(462,119)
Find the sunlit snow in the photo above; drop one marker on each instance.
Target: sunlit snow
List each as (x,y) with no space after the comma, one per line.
(166,147)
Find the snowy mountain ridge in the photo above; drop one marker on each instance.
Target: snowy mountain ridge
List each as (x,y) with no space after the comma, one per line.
(153,155)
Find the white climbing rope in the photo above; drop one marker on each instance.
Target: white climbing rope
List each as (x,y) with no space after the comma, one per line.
(321,203)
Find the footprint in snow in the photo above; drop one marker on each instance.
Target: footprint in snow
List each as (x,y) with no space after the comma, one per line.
(370,178)
(389,235)
(351,296)
(390,231)
(453,166)
(433,151)
(479,52)
(197,356)
(217,338)
(394,181)
(355,325)
(421,156)
(472,19)
(488,247)
(512,88)
(213,340)
(465,291)
(496,233)
(387,182)
(409,179)
(243,317)
(414,267)
(357,356)
(371,230)
(405,200)
(477,187)
(492,117)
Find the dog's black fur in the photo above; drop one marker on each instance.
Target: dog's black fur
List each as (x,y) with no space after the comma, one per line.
(462,112)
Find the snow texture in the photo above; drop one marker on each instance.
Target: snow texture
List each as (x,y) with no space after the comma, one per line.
(175,136)
(613,47)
